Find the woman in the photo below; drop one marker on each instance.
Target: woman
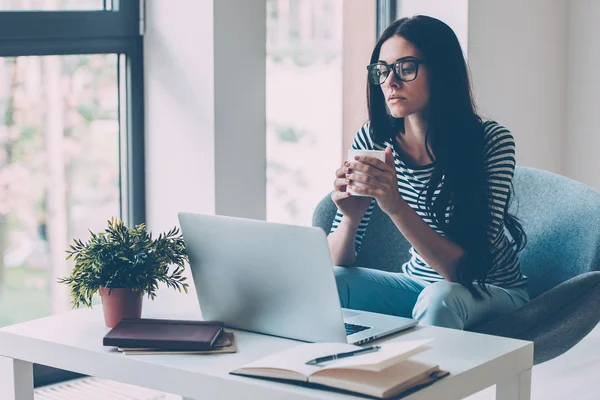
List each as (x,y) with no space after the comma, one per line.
(446,185)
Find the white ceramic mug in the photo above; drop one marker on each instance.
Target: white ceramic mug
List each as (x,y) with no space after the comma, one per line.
(379,154)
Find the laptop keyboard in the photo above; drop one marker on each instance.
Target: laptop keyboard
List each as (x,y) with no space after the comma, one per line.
(351,328)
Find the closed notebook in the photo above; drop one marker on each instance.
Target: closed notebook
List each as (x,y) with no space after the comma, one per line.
(163,334)
(382,374)
(223,345)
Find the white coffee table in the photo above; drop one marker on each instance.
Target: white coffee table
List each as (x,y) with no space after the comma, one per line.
(73,341)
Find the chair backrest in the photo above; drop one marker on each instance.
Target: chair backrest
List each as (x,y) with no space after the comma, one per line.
(560,216)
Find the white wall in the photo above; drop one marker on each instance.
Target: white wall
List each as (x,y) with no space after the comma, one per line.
(205,113)
(515,50)
(517,54)
(205,141)
(240,57)
(179,101)
(534,66)
(582,137)
(552,107)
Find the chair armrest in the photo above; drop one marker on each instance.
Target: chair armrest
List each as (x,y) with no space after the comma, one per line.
(556,320)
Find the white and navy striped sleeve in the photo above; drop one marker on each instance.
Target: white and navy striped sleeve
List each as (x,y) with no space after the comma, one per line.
(362,141)
(499,164)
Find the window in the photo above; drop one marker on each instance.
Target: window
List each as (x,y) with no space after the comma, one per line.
(317,52)
(386,14)
(304,105)
(71,142)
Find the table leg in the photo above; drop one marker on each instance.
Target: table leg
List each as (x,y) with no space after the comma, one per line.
(16,379)
(517,387)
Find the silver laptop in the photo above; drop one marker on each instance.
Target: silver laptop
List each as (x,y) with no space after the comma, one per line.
(274,279)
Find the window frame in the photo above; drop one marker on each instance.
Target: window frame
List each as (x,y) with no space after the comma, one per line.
(44,33)
(120,22)
(386,14)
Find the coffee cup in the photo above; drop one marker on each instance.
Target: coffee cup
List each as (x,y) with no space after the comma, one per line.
(379,154)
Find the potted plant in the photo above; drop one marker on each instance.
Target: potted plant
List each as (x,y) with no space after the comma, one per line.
(123,264)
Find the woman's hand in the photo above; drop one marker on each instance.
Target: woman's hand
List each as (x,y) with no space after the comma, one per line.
(378,180)
(353,208)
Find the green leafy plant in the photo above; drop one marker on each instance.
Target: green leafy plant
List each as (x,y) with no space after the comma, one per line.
(122,257)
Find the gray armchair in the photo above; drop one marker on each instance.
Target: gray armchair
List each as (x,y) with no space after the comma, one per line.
(562,259)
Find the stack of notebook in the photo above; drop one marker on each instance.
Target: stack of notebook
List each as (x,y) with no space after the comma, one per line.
(162,336)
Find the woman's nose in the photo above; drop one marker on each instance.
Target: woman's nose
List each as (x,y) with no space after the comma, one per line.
(392,81)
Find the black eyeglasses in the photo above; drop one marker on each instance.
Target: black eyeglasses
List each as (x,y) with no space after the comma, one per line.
(404,70)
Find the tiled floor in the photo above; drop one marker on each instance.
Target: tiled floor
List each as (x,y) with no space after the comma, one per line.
(573,375)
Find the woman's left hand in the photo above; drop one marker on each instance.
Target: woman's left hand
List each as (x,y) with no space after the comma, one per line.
(379,180)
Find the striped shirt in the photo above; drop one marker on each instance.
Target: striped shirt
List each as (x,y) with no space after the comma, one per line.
(499,156)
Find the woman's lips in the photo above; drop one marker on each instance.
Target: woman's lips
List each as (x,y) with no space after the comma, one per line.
(396,99)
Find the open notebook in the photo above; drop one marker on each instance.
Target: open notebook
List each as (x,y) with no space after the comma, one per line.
(382,374)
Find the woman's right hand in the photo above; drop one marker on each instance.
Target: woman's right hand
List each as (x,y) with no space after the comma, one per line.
(353,207)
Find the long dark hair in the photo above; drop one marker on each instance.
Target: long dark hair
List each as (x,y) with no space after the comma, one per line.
(455,141)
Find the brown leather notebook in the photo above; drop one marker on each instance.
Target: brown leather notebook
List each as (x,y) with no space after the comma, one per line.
(164,334)
(224,344)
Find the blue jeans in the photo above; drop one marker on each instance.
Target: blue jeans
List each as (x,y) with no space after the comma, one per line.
(443,303)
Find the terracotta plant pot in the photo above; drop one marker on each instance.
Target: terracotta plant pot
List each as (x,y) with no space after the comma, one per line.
(121,303)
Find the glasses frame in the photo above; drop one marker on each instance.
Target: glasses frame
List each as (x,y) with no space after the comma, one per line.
(392,67)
